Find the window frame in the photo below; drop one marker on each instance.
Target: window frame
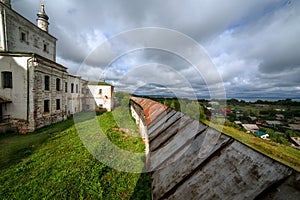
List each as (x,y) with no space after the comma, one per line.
(47,83)
(45,47)
(58,84)
(58,104)
(7,79)
(23,36)
(46,106)
(72,87)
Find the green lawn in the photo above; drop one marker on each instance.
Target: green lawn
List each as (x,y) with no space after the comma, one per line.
(53,163)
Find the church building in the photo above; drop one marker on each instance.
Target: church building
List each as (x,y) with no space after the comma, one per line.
(35,91)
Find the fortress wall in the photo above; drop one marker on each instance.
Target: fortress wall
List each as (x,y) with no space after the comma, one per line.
(189,160)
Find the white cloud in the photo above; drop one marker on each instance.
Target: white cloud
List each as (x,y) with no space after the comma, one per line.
(254,44)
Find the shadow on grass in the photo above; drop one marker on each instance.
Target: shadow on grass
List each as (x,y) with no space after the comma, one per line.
(142,189)
(15,147)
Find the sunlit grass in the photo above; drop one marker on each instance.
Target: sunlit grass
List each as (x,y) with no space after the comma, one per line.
(282,153)
(62,168)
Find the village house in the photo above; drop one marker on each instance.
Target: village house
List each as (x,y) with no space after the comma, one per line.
(250,128)
(35,90)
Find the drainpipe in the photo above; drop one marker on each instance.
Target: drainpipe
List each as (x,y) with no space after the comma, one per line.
(5,29)
(28,90)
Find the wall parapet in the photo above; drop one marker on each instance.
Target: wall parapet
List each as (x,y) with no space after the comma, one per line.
(190,160)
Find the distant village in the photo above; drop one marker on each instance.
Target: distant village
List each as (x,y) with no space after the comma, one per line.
(277,120)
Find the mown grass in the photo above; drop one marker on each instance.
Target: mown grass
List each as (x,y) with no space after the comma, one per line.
(61,167)
(282,153)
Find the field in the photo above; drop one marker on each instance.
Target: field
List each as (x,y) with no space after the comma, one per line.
(54,163)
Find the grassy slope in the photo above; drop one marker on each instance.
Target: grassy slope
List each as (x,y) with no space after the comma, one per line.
(63,168)
(282,153)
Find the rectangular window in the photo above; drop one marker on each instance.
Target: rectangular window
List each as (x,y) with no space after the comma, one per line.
(57,104)
(57,84)
(66,87)
(47,83)
(46,105)
(23,37)
(7,79)
(76,88)
(72,87)
(45,47)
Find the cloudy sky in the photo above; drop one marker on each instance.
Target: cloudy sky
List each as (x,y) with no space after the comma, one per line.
(246,48)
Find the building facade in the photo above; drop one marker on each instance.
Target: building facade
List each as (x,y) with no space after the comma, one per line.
(35,91)
(102,93)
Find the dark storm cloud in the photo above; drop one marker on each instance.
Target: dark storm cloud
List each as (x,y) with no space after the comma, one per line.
(254,44)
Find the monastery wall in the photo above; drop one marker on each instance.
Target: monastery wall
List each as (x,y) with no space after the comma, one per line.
(189,160)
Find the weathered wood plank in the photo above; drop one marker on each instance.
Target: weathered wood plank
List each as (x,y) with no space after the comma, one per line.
(202,147)
(161,123)
(168,134)
(165,125)
(237,173)
(176,145)
(160,117)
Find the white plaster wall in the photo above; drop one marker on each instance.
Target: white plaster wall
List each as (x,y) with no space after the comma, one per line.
(18,93)
(105,98)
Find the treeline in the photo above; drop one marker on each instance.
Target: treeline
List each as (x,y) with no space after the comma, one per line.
(286,102)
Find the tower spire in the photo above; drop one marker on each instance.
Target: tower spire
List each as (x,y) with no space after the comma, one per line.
(42,20)
(43,6)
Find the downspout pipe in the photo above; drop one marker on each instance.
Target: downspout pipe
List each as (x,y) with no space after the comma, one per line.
(5,31)
(28,89)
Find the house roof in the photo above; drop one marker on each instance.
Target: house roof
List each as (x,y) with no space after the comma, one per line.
(4,100)
(99,83)
(36,57)
(250,127)
(296,140)
(295,126)
(273,122)
(297,118)
(252,118)
(260,133)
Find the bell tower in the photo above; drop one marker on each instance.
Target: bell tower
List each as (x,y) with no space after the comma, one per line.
(6,2)
(42,20)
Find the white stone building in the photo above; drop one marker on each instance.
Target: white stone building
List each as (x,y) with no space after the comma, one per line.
(102,93)
(35,90)
(20,35)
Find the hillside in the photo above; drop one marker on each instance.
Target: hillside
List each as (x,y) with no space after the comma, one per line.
(54,164)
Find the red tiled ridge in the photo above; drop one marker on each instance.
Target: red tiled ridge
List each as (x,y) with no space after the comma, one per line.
(152,109)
